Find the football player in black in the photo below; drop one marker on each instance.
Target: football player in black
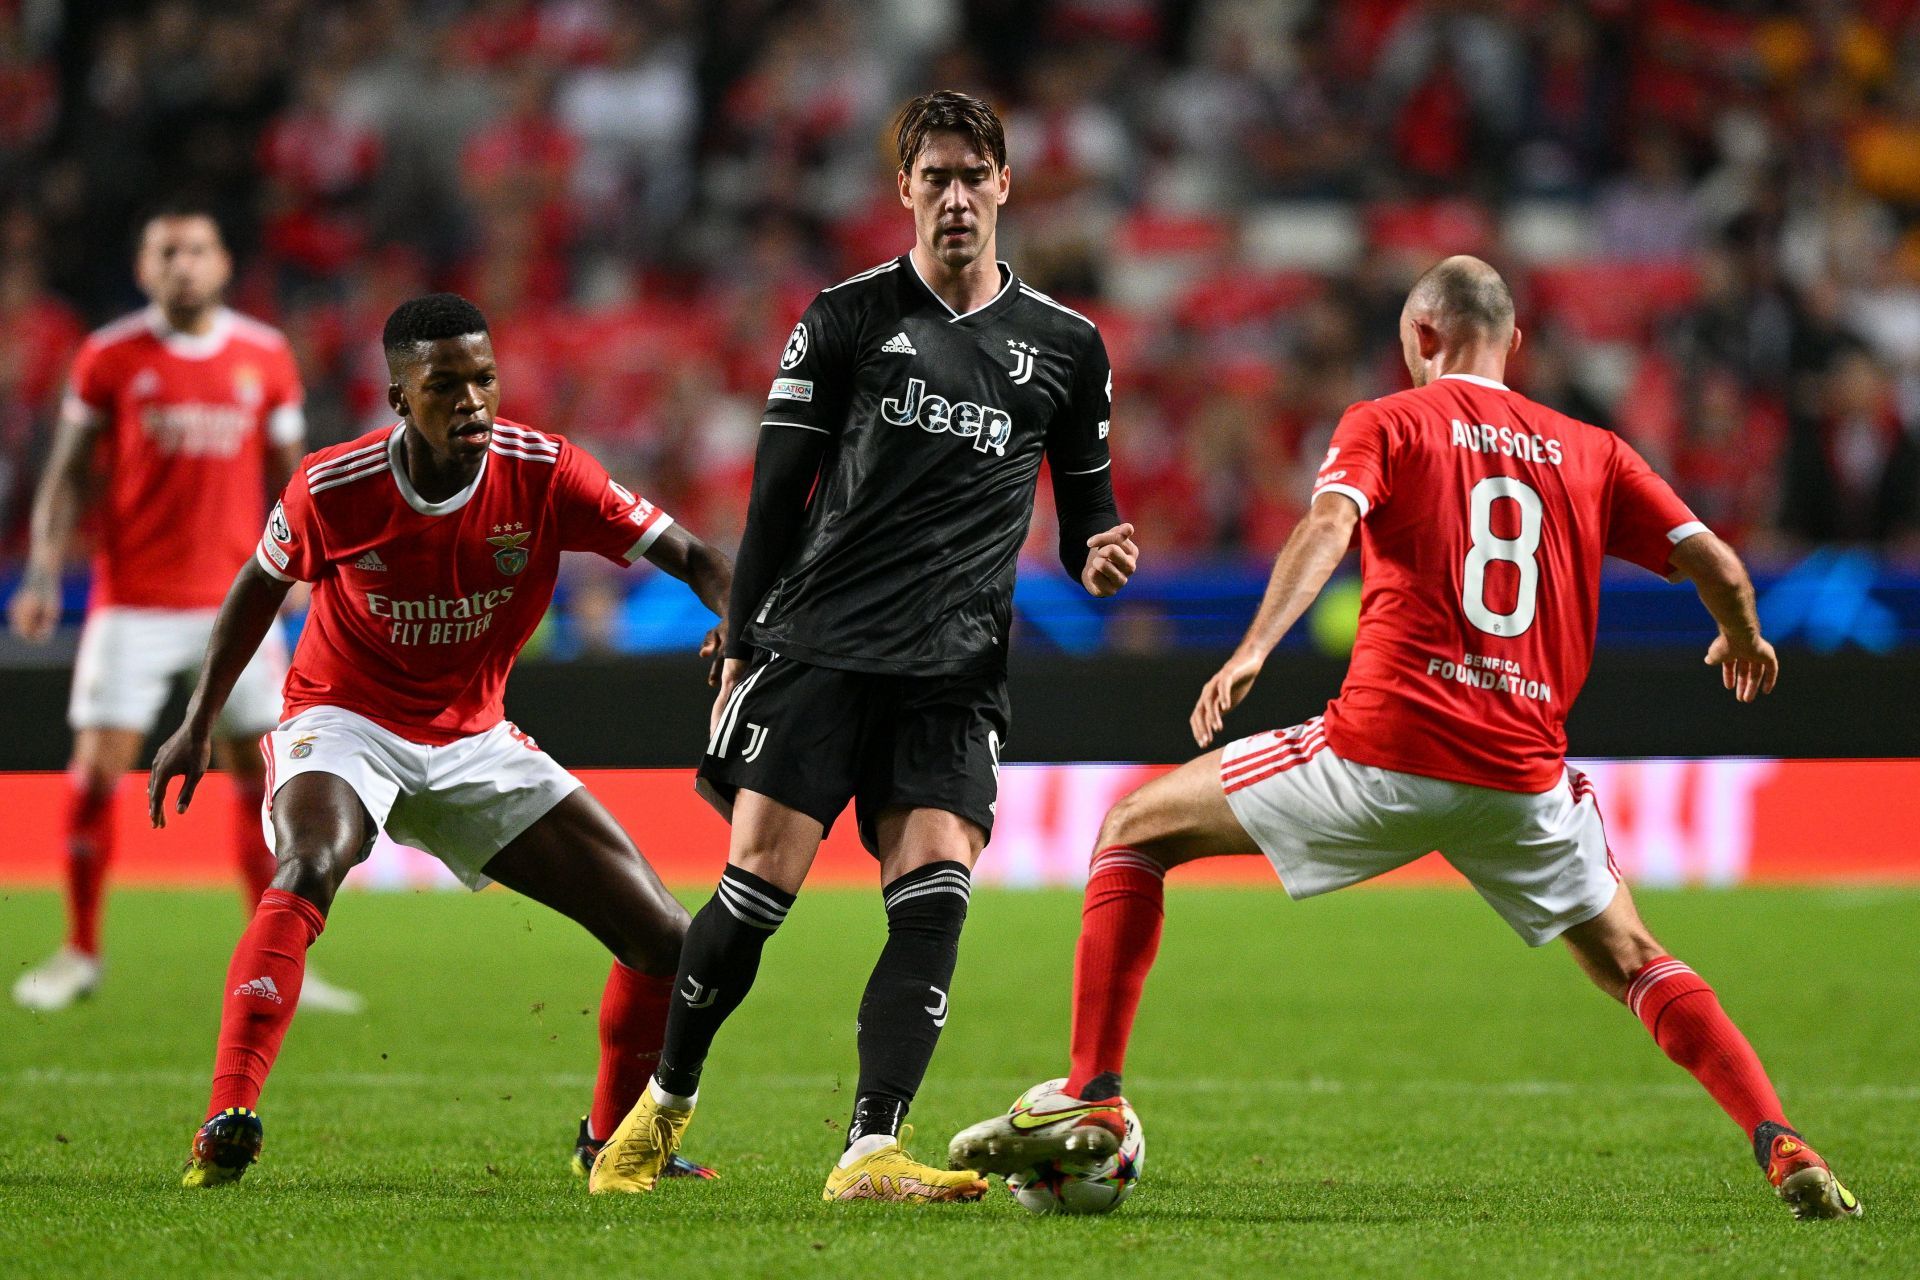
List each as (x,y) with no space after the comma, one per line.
(868,629)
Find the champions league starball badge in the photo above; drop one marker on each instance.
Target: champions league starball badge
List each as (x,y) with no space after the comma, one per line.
(796,348)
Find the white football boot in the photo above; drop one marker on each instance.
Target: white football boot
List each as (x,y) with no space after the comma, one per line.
(61,979)
(321,996)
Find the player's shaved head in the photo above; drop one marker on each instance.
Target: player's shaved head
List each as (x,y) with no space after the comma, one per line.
(1465,299)
(419,322)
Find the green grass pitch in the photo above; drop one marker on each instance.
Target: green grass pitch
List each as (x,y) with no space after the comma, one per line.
(1377,1083)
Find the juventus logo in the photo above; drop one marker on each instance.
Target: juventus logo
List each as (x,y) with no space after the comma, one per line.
(939,1007)
(756,739)
(1023,354)
(697,995)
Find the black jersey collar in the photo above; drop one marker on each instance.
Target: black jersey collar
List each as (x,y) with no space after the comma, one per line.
(1009,290)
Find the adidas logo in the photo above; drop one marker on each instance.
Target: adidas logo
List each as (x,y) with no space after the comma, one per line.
(262,987)
(899,345)
(372,561)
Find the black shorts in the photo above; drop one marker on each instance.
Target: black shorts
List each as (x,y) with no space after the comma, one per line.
(814,738)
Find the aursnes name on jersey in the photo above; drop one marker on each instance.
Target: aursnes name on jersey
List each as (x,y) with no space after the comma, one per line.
(1481,438)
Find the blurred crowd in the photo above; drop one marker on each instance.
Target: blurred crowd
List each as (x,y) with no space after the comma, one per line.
(1710,212)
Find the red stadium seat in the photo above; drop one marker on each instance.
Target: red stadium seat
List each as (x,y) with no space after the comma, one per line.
(1613,301)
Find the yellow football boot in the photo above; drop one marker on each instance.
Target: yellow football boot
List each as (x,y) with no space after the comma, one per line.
(640,1148)
(223,1149)
(891,1174)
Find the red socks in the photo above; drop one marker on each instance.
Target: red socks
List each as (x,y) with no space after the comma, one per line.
(633,1023)
(263,987)
(249,842)
(1119,938)
(90,842)
(1685,1018)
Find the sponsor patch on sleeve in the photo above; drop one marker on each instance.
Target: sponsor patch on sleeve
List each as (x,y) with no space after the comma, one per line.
(792,389)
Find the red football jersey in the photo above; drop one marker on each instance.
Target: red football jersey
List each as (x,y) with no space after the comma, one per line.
(420,607)
(1484,520)
(186,419)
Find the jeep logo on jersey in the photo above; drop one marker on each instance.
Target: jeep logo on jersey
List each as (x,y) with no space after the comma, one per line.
(512,555)
(987,426)
(796,348)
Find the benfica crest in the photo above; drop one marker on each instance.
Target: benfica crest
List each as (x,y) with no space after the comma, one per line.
(511,553)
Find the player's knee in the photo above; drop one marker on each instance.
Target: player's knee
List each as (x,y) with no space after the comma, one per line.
(1130,823)
(313,869)
(651,943)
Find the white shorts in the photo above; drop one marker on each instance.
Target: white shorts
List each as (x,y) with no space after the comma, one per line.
(1540,860)
(129,659)
(462,803)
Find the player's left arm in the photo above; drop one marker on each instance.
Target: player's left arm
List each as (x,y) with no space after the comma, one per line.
(709,572)
(1096,547)
(1312,552)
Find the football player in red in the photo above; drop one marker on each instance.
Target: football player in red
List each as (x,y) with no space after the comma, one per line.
(1483,521)
(192,413)
(432,547)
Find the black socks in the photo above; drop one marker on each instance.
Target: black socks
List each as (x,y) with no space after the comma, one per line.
(717,965)
(905,1004)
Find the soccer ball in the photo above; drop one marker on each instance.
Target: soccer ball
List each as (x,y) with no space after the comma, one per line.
(1063,1188)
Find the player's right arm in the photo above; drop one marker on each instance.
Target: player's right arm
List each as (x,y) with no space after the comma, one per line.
(1313,550)
(1748,664)
(1355,479)
(806,409)
(58,505)
(252,604)
(292,549)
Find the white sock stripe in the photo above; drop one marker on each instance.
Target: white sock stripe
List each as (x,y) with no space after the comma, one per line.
(745,912)
(1649,978)
(944,873)
(1129,859)
(921,891)
(754,895)
(738,896)
(938,885)
(947,875)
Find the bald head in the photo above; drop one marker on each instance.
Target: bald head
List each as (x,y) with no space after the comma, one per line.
(1465,299)
(1458,318)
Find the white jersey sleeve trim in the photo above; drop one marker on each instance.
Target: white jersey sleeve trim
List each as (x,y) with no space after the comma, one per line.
(1681,532)
(287,424)
(797,426)
(1090,470)
(260,558)
(661,523)
(1347,491)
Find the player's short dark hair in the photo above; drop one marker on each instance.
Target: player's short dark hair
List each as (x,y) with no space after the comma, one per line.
(167,210)
(950,111)
(429,318)
(1464,293)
